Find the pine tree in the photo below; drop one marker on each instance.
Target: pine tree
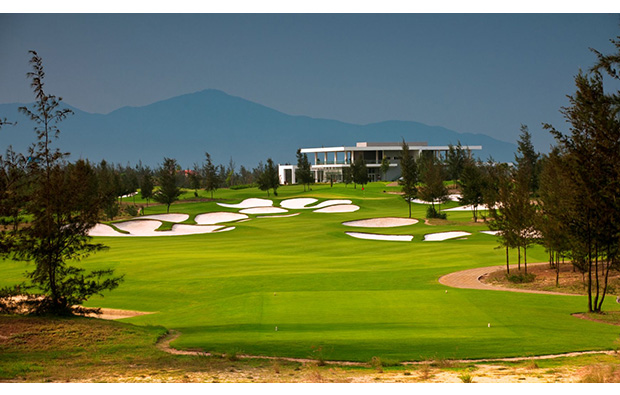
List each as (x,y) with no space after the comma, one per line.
(168,192)
(63,205)
(409,175)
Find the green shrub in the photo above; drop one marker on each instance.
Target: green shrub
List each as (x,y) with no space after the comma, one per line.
(520,278)
(466,378)
(242,186)
(432,213)
(132,210)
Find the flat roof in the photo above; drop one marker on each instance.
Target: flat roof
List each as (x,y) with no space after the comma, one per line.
(387,148)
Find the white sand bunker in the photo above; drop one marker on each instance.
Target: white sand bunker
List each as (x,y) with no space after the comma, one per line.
(339,208)
(249,203)
(166,217)
(445,236)
(331,203)
(182,229)
(148,228)
(386,222)
(490,232)
(469,208)
(370,236)
(140,227)
(263,210)
(298,203)
(103,230)
(278,216)
(217,217)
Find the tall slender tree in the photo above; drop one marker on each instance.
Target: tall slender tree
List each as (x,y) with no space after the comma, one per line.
(63,205)
(169,191)
(212,181)
(472,186)
(409,175)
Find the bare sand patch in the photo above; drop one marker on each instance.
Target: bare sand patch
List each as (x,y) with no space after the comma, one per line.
(385,222)
(217,217)
(339,208)
(298,203)
(263,210)
(116,314)
(166,217)
(444,236)
(278,216)
(371,236)
(249,203)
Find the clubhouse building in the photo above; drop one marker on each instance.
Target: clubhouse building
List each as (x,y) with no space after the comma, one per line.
(329,161)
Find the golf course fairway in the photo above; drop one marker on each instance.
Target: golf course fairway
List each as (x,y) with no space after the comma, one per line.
(330,295)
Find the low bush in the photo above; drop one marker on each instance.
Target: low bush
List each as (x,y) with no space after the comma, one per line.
(520,278)
(432,213)
(243,186)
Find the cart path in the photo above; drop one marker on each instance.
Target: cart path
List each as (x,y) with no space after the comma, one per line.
(470,279)
(164,344)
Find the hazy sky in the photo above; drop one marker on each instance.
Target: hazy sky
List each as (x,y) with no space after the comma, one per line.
(477,73)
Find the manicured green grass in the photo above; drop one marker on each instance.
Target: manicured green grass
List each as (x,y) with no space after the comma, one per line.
(355,298)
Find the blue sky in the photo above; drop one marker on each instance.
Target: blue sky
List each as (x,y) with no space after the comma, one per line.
(476,73)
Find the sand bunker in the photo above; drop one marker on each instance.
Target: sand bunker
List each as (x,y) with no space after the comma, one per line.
(444,236)
(103,230)
(181,229)
(278,216)
(370,236)
(331,203)
(224,230)
(298,203)
(468,208)
(166,217)
(387,222)
(263,210)
(490,232)
(148,228)
(217,217)
(340,208)
(139,227)
(249,203)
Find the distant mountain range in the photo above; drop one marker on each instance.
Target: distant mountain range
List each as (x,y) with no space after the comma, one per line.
(187,126)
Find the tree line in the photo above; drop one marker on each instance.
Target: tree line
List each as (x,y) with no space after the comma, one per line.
(566,201)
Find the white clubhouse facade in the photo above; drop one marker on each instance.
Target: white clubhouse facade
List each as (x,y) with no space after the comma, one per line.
(329,161)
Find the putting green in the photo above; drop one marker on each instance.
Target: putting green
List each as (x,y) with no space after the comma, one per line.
(353,298)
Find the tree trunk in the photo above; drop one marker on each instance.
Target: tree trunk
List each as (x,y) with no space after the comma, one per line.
(507,263)
(557,269)
(525,258)
(519,258)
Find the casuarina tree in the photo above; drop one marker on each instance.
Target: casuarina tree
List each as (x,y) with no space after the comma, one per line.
(169,191)
(63,205)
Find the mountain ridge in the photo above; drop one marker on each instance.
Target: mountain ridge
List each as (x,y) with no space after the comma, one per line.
(186,126)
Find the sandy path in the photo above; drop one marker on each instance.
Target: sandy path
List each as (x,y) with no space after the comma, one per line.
(470,279)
